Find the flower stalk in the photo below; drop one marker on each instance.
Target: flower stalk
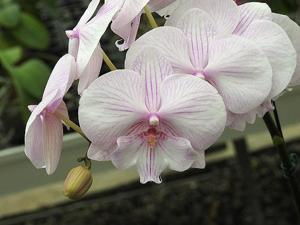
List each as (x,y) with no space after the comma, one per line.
(150,17)
(71,124)
(289,161)
(108,62)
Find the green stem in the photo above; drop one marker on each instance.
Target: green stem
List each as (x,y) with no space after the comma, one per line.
(150,17)
(287,165)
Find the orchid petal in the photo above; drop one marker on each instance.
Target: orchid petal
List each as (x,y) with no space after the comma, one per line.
(87,15)
(278,48)
(240,72)
(238,121)
(52,141)
(293,31)
(63,111)
(154,68)
(199,30)
(61,77)
(92,70)
(127,21)
(127,152)
(193,109)
(199,160)
(177,152)
(250,12)
(73,47)
(224,13)
(156,5)
(127,33)
(34,141)
(91,33)
(170,41)
(110,106)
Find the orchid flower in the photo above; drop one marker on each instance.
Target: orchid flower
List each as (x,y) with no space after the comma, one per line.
(44,131)
(84,40)
(251,21)
(126,21)
(151,118)
(233,65)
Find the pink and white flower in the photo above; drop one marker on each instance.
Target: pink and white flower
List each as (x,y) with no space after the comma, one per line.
(84,40)
(151,118)
(251,21)
(44,131)
(235,66)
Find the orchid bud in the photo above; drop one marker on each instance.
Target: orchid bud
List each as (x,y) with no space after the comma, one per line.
(78,182)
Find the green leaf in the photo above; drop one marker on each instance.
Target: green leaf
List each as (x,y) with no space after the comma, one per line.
(32,76)
(9,15)
(31,32)
(11,55)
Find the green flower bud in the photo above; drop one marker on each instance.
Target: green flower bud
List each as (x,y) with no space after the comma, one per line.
(78,182)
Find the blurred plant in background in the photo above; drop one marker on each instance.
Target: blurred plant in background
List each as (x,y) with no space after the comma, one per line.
(24,68)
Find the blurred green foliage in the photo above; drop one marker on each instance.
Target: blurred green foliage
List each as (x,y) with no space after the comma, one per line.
(20,33)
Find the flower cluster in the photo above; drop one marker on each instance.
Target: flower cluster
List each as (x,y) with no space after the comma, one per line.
(213,64)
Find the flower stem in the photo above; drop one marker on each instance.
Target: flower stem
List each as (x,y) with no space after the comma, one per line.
(288,160)
(71,124)
(108,62)
(277,120)
(150,17)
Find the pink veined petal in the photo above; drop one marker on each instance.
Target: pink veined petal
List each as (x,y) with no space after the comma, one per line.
(91,33)
(170,41)
(110,106)
(127,32)
(130,10)
(34,141)
(31,107)
(52,131)
(278,48)
(92,70)
(128,150)
(99,153)
(150,164)
(238,121)
(73,47)
(154,68)
(193,109)
(240,72)
(199,160)
(63,110)
(156,5)
(224,13)
(199,30)
(250,12)
(168,10)
(61,77)
(293,31)
(50,102)
(87,15)
(177,152)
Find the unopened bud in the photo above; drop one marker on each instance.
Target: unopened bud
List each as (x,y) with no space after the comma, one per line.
(78,182)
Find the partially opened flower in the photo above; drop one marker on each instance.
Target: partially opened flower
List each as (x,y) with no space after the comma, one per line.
(152,119)
(237,68)
(251,21)
(44,131)
(84,40)
(127,20)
